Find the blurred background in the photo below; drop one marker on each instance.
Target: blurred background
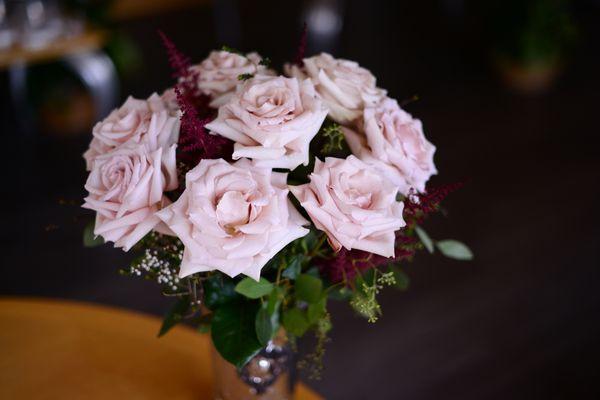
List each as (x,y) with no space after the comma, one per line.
(508,91)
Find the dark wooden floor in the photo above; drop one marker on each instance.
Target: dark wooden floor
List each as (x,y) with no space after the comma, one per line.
(520,322)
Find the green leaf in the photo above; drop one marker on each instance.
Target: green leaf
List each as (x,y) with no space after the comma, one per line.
(309,241)
(275,299)
(293,269)
(454,249)
(425,239)
(245,77)
(252,289)
(402,280)
(203,322)
(232,50)
(341,294)
(174,315)
(233,332)
(89,239)
(334,139)
(267,318)
(308,288)
(316,310)
(264,329)
(295,322)
(266,324)
(219,291)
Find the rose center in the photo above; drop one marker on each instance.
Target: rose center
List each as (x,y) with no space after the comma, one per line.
(115,177)
(232,211)
(363,200)
(360,188)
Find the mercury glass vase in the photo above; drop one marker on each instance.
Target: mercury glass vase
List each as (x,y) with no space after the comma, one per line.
(270,375)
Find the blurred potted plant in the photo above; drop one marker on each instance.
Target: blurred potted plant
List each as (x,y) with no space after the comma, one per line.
(531,42)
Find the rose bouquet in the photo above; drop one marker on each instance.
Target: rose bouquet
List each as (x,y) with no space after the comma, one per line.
(254,198)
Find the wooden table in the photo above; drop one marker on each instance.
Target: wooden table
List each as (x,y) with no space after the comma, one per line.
(66,350)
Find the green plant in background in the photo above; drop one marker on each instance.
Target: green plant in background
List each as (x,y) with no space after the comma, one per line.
(532,31)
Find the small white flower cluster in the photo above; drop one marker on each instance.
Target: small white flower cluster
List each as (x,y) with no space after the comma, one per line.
(161,269)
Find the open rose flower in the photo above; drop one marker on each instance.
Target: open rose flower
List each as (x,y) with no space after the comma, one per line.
(218,73)
(394,143)
(149,122)
(126,190)
(272,121)
(346,88)
(232,218)
(169,97)
(353,204)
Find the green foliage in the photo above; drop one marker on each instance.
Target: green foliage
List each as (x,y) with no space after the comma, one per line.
(533,32)
(233,332)
(402,281)
(267,318)
(317,310)
(454,249)
(295,321)
(89,239)
(308,288)
(266,61)
(334,139)
(203,322)
(264,326)
(253,289)
(425,239)
(364,300)
(293,267)
(175,315)
(232,50)
(309,241)
(313,362)
(267,323)
(219,291)
(245,77)
(340,294)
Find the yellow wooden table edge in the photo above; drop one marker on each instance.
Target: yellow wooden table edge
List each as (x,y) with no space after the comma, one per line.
(68,336)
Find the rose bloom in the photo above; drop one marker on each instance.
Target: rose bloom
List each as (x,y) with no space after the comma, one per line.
(126,190)
(233,218)
(218,73)
(150,122)
(353,204)
(346,88)
(394,143)
(272,121)
(169,97)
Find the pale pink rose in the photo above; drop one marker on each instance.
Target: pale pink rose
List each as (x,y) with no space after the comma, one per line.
(346,87)
(233,218)
(394,143)
(126,190)
(169,98)
(218,74)
(149,122)
(272,121)
(353,204)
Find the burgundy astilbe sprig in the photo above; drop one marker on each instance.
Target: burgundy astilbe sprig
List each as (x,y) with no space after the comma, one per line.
(418,205)
(300,52)
(344,266)
(180,64)
(195,142)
